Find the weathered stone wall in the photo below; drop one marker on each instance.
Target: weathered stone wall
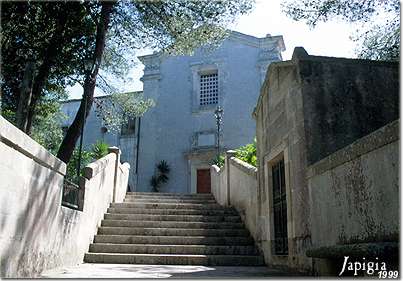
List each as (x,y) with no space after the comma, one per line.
(280,135)
(36,232)
(344,100)
(310,108)
(355,191)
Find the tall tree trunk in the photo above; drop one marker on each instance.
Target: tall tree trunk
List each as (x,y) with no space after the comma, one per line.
(74,131)
(25,96)
(54,47)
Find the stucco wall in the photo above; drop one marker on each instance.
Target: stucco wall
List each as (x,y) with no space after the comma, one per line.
(218,185)
(355,191)
(168,130)
(242,187)
(36,232)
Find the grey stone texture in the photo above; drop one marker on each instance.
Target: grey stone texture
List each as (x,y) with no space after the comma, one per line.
(37,232)
(344,100)
(239,192)
(163,234)
(140,271)
(358,196)
(332,120)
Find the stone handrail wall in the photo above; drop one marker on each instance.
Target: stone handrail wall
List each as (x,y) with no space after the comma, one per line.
(354,191)
(240,191)
(218,179)
(36,232)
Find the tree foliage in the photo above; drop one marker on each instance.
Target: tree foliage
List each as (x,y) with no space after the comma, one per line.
(219,160)
(60,37)
(55,36)
(46,129)
(71,170)
(380,19)
(247,153)
(118,109)
(98,150)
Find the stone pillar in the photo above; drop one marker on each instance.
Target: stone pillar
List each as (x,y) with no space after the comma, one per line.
(116,150)
(228,155)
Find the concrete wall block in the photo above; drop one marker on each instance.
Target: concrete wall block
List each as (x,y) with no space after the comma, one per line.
(363,205)
(92,169)
(36,232)
(122,183)
(27,146)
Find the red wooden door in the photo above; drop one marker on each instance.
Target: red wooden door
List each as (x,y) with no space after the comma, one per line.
(203,181)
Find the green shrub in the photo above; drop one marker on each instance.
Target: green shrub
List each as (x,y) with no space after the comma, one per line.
(219,161)
(99,149)
(71,172)
(247,153)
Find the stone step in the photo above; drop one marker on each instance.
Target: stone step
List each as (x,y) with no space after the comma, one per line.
(173,249)
(166,259)
(175,240)
(143,205)
(172,231)
(163,200)
(178,197)
(173,195)
(121,210)
(194,218)
(172,224)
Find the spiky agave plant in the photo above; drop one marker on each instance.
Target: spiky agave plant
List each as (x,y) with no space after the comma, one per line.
(154,182)
(163,169)
(161,176)
(100,149)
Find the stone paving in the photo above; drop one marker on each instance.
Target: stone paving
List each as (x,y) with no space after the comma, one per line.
(90,270)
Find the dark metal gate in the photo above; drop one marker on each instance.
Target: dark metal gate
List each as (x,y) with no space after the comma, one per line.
(280,209)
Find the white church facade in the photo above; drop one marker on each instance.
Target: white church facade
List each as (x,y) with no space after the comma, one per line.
(181,128)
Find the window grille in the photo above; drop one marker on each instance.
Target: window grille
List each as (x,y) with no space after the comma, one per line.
(280,209)
(208,89)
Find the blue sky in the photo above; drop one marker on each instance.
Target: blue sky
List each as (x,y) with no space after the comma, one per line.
(326,39)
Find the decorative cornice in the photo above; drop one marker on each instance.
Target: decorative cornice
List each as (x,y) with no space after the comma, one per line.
(267,42)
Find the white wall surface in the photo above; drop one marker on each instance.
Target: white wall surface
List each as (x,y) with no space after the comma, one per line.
(36,232)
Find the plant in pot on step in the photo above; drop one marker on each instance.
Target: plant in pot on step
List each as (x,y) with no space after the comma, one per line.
(161,176)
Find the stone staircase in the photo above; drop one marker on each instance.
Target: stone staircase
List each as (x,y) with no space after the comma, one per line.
(166,228)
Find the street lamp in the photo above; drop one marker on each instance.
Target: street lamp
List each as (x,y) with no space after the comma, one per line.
(88,64)
(218,117)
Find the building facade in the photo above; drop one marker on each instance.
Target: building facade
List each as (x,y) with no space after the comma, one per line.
(328,150)
(181,128)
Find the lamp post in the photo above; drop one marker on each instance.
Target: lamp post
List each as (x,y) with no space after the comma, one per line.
(218,117)
(88,64)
